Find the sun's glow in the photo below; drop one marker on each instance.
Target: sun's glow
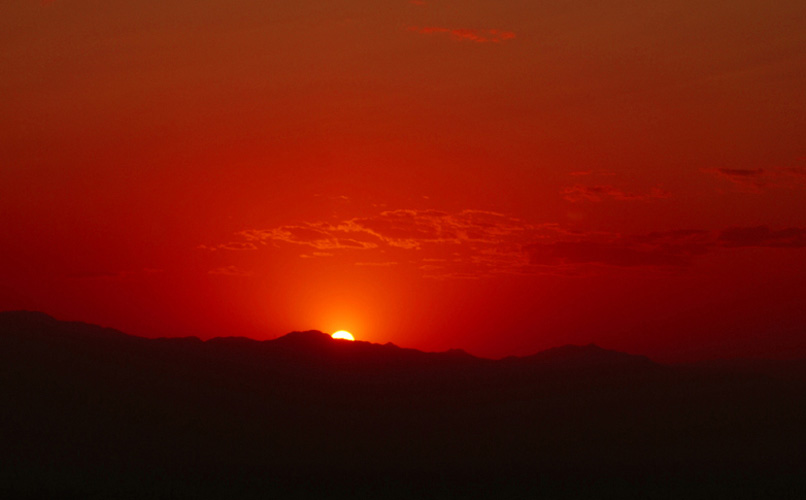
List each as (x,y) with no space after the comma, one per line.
(343,334)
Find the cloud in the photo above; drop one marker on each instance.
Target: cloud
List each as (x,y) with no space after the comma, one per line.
(320,236)
(671,249)
(466,34)
(579,193)
(752,179)
(313,255)
(234,246)
(413,229)
(477,243)
(758,179)
(667,249)
(740,174)
(229,271)
(763,236)
(588,252)
(402,229)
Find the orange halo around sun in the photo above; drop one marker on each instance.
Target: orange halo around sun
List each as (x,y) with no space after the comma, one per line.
(343,335)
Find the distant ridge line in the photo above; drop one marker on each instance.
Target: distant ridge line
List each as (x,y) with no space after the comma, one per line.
(314,340)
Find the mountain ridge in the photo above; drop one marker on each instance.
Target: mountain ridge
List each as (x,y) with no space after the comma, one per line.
(317,341)
(98,413)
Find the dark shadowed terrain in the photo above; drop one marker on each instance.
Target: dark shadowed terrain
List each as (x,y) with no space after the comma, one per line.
(93,412)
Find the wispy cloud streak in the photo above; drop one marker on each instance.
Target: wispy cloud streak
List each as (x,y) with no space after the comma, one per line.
(466,34)
(579,193)
(476,243)
(759,179)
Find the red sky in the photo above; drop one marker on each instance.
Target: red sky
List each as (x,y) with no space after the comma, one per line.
(500,176)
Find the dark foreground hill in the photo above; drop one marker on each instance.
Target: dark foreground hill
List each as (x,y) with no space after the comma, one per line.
(92,412)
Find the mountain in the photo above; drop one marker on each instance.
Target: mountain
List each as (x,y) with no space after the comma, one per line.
(95,412)
(587,357)
(311,351)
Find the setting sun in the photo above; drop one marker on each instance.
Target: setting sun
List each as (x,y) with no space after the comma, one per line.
(343,335)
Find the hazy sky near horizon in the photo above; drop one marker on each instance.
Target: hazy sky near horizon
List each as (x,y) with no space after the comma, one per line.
(500,176)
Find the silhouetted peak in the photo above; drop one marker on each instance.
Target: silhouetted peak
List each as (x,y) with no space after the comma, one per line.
(26,317)
(308,338)
(34,323)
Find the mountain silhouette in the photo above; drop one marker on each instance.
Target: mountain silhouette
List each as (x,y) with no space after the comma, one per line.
(94,412)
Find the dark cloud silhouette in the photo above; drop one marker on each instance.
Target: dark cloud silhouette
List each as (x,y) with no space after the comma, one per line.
(670,249)
(752,179)
(757,179)
(588,252)
(663,249)
(763,236)
(580,193)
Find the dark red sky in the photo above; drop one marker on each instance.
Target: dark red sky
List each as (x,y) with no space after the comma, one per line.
(500,176)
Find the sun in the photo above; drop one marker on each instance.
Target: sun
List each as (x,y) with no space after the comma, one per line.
(343,335)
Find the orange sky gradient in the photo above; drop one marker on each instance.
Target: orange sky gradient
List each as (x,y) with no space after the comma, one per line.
(498,176)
